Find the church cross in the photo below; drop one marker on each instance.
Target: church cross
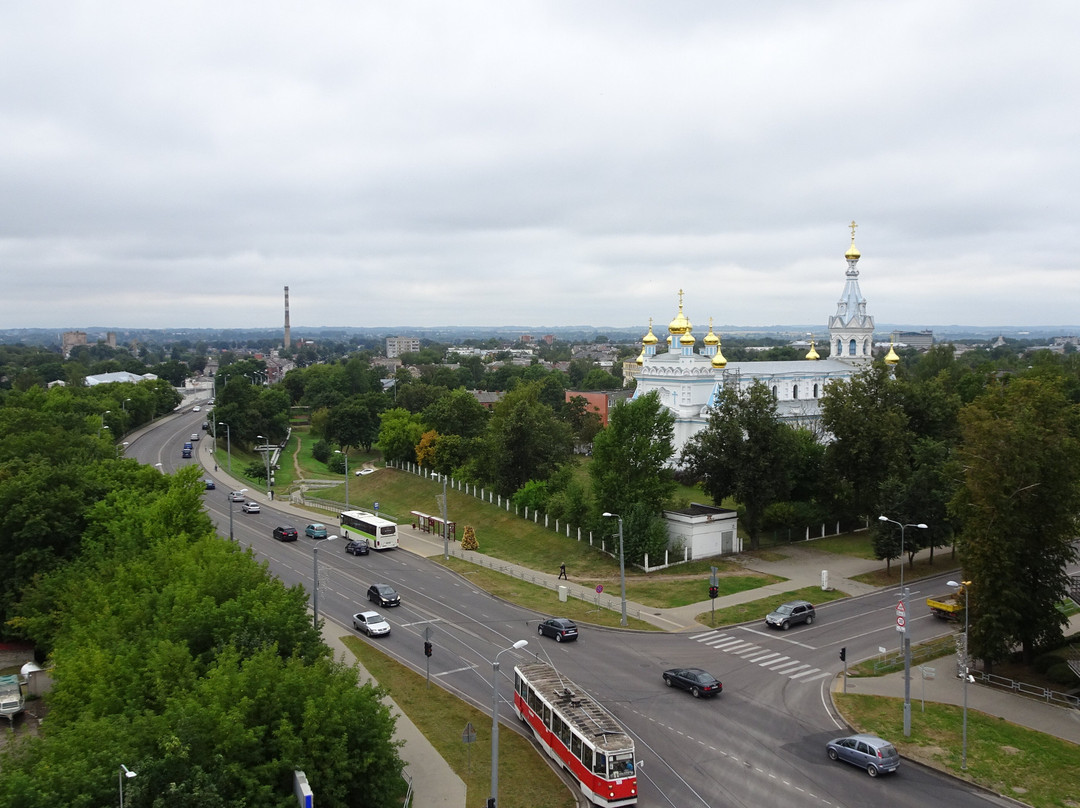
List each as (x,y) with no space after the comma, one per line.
(853,226)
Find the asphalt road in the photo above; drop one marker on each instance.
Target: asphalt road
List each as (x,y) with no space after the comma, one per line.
(760,743)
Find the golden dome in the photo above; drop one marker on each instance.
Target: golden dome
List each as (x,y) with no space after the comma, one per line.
(891,358)
(641,356)
(711,338)
(718,361)
(650,338)
(812,355)
(680,325)
(669,340)
(687,339)
(853,252)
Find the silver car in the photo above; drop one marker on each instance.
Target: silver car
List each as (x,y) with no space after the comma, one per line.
(371,623)
(869,752)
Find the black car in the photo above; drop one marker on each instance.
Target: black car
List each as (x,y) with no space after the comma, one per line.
(384,595)
(558,627)
(698,682)
(282,533)
(210,486)
(358,547)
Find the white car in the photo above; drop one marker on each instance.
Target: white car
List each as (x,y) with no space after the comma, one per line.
(250,507)
(237,496)
(365,472)
(371,623)
(196,409)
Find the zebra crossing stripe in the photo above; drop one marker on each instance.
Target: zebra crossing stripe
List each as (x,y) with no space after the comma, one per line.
(765,656)
(772,663)
(804,673)
(786,670)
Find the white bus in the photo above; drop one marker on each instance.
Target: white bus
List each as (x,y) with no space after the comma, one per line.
(380,533)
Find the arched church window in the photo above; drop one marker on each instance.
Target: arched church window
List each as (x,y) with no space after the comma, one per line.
(815,391)
(839,348)
(795,391)
(851,348)
(774,391)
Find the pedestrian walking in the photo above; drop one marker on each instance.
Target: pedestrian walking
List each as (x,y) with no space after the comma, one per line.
(562,572)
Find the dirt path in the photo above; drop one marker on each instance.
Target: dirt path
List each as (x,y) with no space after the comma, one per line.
(296,461)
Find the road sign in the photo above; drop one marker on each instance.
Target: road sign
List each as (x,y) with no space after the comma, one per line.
(901,609)
(376,507)
(901,623)
(599,588)
(469,735)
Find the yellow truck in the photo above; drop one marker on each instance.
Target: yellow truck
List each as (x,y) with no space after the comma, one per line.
(949,606)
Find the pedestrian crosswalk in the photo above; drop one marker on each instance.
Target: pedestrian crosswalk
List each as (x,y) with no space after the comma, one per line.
(774,661)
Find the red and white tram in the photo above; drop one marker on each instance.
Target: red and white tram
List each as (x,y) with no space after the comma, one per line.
(577,732)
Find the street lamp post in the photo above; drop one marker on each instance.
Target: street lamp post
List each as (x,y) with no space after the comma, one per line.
(622,567)
(967,657)
(445,523)
(228,442)
(494,801)
(315,576)
(103,422)
(128,773)
(120,449)
(346,456)
(903,628)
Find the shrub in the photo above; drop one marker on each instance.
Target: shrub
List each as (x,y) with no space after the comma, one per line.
(336,464)
(321,451)
(468,540)
(256,471)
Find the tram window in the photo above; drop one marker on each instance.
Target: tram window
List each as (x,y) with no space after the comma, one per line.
(601,764)
(622,766)
(587,757)
(564,733)
(535,703)
(575,746)
(547,716)
(558,727)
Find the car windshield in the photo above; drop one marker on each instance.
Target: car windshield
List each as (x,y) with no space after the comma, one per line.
(374,617)
(785,609)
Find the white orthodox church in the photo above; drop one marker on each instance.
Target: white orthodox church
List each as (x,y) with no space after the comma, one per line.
(690,380)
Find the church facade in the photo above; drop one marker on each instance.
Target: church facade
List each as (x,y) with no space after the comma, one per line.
(689,379)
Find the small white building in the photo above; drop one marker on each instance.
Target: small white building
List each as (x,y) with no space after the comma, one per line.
(704,530)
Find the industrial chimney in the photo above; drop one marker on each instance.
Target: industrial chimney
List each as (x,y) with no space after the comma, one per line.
(288,336)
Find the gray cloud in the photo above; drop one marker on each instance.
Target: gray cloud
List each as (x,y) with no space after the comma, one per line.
(536,163)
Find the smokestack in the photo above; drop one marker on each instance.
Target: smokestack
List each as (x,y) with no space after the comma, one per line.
(288,336)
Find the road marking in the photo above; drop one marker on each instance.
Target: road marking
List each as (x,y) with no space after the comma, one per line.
(457,670)
(741,647)
(804,673)
(765,656)
(785,670)
(774,662)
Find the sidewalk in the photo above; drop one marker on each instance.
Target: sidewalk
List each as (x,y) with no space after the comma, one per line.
(947,688)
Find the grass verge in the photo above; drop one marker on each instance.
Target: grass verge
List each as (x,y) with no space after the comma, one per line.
(757,609)
(540,598)
(525,780)
(1028,766)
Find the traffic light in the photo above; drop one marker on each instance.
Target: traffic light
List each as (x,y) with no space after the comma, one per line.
(843,654)
(714,591)
(427,649)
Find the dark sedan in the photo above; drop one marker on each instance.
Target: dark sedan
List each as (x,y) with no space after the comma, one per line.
(560,628)
(698,682)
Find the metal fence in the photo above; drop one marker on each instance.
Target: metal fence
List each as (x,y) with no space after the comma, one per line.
(591,596)
(1032,691)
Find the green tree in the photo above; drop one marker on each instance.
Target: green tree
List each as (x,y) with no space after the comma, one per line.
(744,452)
(524,440)
(1018,508)
(399,433)
(458,412)
(630,457)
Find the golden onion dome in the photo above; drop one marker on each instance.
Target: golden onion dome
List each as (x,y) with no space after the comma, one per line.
(812,355)
(641,358)
(680,325)
(687,339)
(711,338)
(891,357)
(650,338)
(853,252)
(718,360)
(669,340)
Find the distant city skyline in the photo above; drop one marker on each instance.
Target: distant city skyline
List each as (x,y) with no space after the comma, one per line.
(537,164)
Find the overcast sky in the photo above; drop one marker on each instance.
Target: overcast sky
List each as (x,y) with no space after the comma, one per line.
(537,163)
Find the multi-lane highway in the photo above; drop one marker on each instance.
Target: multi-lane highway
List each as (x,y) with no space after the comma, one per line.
(760,743)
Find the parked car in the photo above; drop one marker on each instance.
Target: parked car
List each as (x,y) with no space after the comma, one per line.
(697,681)
(791,614)
(384,595)
(560,628)
(283,533)
(250,507)
(364,472)
(869,752)
(358,547)
(316,530)
(237,496)
(371,623)
(210,484)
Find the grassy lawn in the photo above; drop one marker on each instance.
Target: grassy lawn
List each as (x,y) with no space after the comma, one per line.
(922,568)
(1029,766)
(525,780)
(757,609)
(540,598)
